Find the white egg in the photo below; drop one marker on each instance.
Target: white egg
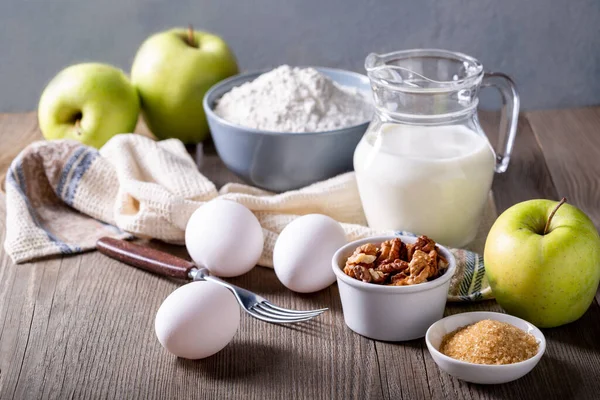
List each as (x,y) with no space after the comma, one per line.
(303,252)
(197,320)
(224,237)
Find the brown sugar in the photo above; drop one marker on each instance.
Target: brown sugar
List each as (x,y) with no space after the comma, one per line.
(489,342)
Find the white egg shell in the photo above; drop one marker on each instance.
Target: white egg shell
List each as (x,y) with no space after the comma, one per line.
(197,320)
(224,237)
(303,252)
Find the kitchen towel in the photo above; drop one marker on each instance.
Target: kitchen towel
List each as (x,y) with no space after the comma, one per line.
(62,196)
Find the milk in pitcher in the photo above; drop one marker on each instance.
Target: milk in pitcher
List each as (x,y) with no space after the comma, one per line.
(431,180)
(425,165)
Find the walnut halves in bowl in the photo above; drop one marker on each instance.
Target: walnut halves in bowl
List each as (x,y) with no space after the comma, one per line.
(396,263)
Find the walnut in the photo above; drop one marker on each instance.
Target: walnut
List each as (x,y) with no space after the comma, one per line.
(349,270)
(365,254)
(422,243)
(406,280)
(362,273)
(422,266)
(377,276)
(391,250)
(369,274)
(393,266)
(400,279)
(425,244)
(413,280)
(363,258)
(368,248)
(419,262)
(442,262)
(433,263)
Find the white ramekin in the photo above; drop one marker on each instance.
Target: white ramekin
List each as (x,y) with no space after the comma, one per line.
(391,313)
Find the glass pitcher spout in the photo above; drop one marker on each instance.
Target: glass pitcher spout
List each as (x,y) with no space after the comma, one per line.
(425,84)
(453,70)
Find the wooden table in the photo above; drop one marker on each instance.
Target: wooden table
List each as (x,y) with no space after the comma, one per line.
(82,326)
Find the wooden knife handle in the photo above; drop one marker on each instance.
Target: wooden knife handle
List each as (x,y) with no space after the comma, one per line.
(145,258)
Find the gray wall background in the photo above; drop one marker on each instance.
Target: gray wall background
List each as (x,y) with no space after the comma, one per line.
(550,47)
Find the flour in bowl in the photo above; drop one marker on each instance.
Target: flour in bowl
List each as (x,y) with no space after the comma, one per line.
(294,100)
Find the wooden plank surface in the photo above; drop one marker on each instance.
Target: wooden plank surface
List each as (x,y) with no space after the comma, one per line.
(82,326)
(527,176)
(571,139)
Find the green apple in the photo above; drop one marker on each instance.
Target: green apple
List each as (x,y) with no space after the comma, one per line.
(542,259)
(172,71)
(88,102)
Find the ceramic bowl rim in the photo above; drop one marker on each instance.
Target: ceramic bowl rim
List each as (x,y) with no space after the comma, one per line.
(246,76)
(421,287)
(490,315)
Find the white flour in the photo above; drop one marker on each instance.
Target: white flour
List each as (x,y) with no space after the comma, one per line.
(294,100)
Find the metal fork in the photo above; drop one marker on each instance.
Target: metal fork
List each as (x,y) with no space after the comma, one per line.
(255,305)
(167,264)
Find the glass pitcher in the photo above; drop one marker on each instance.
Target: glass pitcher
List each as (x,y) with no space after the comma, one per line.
(424,164)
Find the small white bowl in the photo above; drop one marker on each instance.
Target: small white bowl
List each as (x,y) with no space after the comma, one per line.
(481,373)
(391,313)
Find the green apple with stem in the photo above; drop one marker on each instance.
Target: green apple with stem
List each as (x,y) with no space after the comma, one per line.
(542,259)
(172,71)
(89,102)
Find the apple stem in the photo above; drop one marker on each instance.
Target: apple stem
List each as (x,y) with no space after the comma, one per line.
(78,127)
(190,37)
(563,201)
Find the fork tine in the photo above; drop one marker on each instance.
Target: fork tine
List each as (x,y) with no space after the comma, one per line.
(273,306)
(274,320)
(288,317)
(272,311)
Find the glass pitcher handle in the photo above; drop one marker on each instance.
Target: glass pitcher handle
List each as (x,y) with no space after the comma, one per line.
(509,117)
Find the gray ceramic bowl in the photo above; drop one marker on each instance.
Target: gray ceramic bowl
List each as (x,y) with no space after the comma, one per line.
(283,161)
